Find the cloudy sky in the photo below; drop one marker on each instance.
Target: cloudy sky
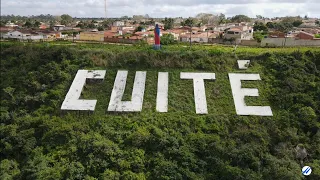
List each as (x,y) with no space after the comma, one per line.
(162,8)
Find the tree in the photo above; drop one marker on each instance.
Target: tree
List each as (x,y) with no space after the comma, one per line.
(222,18)
(259,36)
(2,23)
(124,17)
(36,24)
(214,20)
(81,25)
(168,23)
(91,25)
(28,24)
(271,25)
(240,18)
(297,23)
(100,28)
(139,28)
(66,19)
(259,26)
(284,27)
(317,22)
(189,22)
(105,24)
(51,23)
(206,18)
(9,169)
(259,17)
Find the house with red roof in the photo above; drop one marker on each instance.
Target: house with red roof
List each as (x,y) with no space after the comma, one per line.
(305,35)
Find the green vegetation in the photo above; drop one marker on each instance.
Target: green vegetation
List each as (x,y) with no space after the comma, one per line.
(66,19)
(40,142)
(240,18)
(286,24)
(29,24)
(167,39)
(168,23)
(295,21)
(259,35)
(260,31)
(259,26)
(189,22)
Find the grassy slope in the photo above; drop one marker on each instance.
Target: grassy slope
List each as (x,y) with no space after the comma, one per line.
(178,144)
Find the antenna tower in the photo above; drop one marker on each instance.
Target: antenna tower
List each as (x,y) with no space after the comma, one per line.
(105,8)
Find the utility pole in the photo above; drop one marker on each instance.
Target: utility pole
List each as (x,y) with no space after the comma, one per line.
(207,35)
(72,34)
(190,35)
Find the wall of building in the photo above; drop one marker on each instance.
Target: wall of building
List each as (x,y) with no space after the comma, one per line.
(290,42)
(121,40)
(246,35)
(118,23)
(305,36)
(89,36)
(249,43)
(215,40)
(36,37)
(195,39)
(229,36)
(21,36)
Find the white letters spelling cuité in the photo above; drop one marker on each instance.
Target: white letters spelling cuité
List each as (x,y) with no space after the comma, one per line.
(72,101)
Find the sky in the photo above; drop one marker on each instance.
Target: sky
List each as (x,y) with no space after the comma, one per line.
(162,8)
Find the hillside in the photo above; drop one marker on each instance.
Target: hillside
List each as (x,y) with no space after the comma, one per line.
(38,141)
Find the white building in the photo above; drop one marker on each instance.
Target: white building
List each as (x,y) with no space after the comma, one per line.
(118,23)
(197,37)
(22,36)
(239,32)
(11,25)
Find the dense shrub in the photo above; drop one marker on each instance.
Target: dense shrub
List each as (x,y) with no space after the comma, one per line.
(39,142)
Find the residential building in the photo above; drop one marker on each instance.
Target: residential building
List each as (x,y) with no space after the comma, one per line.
(43,26)
(58,27)
(50,35)
(12,25)
(239,32)
(305,35)
(109,34)
(144,33)
(118,23)
(23,35)
(277,34)
(4,31)
(197,37)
